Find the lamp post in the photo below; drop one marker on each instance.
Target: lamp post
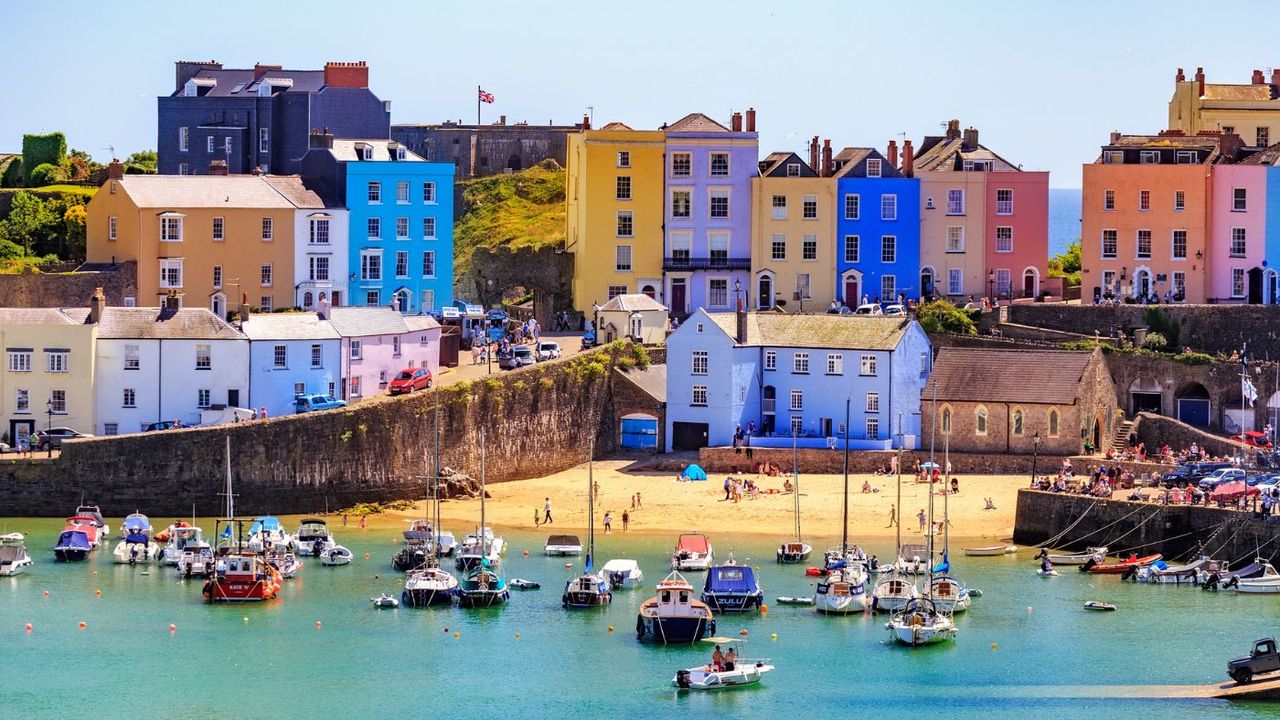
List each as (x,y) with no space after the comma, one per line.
(595,328)
(737,294)
(1035,454)
(991,284)
(48,428)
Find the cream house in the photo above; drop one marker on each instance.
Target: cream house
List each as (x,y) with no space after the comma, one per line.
(638,317)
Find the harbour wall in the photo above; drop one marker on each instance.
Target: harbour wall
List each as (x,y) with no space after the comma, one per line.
(534,421)
(1176,531)
(831,462)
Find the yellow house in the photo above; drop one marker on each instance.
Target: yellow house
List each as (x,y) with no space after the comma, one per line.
(209,238)
(793,262)
(1250,110)
(614,213)
(48,374)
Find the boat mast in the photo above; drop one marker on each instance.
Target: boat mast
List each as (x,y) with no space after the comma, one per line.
(844,529)
(946,499)
(435,493)
(484,539)
(795,471)
(591,505)
(898,519)
(933,437)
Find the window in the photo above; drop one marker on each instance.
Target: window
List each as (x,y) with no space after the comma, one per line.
(680,243)
(955,238)
(226,145)
(955,281)
(924,363)
(793,169)
(1149,157)
(1004,239)
(375,192)
(699,396)
(402,228)
(622,258)
(1004,282)
(718,207)
(184,139)
(1053,423)
(1179,244)
(171,273)
(852,207)
(1113,157)
(718,247)
(355,386)
(770,360)
(946,421)
(395,346)
(888,249)
(429,228)
(625,223)
(718,292)
(810,208)
(802,285)
(171,229)
(266,229)
(111,228)
(56,361)
(835,364)
(1109,282)
(357,350)
(797,400)
(623,190)
(374,227)
(317,356)
(204,357)
(428,304)
(402,193)
(1144,244)
(800,363)
(873,168)
(1238,244)
(1239,200)
(616,290)
(131,361)
(797,425)
(203,398)
(370,265)
(318,267)
(1263,136)
(779,204)
(1018,422)
(372,298)
(778,247)
(209,143)
(428,193)
(980,421)
(1237,282)
(129,399)
(264,140)
(1179,200)
(1179,285)
(280,356)
(1108,199)
(299,388)
(888,287)
(265,303)
(58,398)
(873,428)
(183,169)
(366,152)
(873,402)
(624,159)
(719,164)
(429,264)
(888,206)
(402,264)
(22,401)
(1004,201)
(699,362)
(1144,200)
(955,202)
(851,248)
(809,250)
(680,204)
(867,365)
(265,271)
(1109,243)
(680,165)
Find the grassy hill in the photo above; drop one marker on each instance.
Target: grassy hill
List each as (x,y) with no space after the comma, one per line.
(524,209)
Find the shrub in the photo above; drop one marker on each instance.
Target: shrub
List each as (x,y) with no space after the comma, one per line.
(12,174)
(1159,320)
(46,174)
(1155,341)
(941,316)
(1194,358)
(546,383)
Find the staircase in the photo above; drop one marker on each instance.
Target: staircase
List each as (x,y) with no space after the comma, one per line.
(1120,440)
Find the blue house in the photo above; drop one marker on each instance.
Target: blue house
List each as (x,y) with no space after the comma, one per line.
(291,354)
(877,229)
(401,214)
(801,374)
(260,117)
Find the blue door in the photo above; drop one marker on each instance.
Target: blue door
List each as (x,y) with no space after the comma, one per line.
(640,433)
(1194,411)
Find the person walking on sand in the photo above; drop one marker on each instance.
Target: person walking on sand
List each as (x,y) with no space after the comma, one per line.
(363,521)
(893,465)
(608,523)
(536,516)
(625,519)
(546,508)
(727,485)
(633,502)
(344,519)
(595,487)
(922,519)
(893,516)
(638,503)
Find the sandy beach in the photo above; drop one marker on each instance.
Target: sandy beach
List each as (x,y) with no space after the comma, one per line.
(672,507)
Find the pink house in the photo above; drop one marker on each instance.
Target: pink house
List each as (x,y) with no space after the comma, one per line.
(1017,229)
(378,342)
(1237,233)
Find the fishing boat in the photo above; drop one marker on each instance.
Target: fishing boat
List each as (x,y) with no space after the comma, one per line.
(176,538)
(417,546)
(284,561)
(921,622)
(732,588)
(198,560)
(623,574)
(137,545)
(590,589)
(989,550)
(674,616)
(693,552)
(94,514)
(1096,554)
(242,577)
(563,545)
(428,584)
(14,558)
(335,556)
(267,532)
(797,550)
(1118,567)
(313,537)
(741,673)
(483,586)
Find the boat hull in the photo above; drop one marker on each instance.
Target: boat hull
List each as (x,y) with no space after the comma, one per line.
(134,553)
(674,630)
(919,635)
(428,597)
(17,567)
(706,678)
(790,555)
(235,591)
(986,551)
(582,600)
(838,604)
(694,564)
(409,559)
(1122,567)
(733,602)
(71,554)
(482,598)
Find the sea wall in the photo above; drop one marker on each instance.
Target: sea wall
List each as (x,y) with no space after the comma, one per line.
(534,421)
(827,462)
(1207,328)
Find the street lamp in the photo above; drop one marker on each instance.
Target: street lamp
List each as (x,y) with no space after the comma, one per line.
(737,293)
(991,284)
(48,428)
(595,327)
(1035,454)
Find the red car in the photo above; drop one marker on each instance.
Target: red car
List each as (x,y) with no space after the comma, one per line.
(408,380)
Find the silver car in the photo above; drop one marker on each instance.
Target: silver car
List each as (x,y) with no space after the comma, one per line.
(547,350)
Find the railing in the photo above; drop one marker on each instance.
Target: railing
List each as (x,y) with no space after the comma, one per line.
(682,263)
(767,404)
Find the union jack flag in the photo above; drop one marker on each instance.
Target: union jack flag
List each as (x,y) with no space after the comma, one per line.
(486,97)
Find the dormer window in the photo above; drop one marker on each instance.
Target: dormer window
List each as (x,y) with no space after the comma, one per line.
(793,169)
(1186,157)
(1113,157)
(366,152)
(873,167)
(198,87)
(1149,157)
(400,155)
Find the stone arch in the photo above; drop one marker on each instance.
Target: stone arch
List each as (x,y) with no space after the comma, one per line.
(946,416)
(514,163)
(548,274)
(1017,421)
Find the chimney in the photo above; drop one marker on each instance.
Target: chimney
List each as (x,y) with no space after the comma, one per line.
(751,119)
(1258,78)
(735,122)
(171,301)
(322,307)
(971,139)
(115,171)
(1115,137)
(346,74)
(1199,82)
(321,139)
(260,70)
(826,158)
(953,129)
(502,119)
(1275,78)
(742,322)
(892,154)
(908,159)
(586,121)
(813,153)
(184,70)
(244,308)
(97,302)
(217,167)
(1180,77)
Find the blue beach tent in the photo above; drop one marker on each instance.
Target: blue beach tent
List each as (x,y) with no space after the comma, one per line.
(694,472)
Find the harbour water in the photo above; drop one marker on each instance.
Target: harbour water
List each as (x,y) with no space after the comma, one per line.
(1027,646)
(1064,219)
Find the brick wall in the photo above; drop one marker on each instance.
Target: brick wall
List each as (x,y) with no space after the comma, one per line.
(68,289)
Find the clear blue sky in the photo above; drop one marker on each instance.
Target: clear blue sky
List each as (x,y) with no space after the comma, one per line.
(1043,81)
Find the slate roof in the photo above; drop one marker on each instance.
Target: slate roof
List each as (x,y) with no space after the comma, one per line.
(1049,377)
(774,165)
(305,193)
(942,154)
(346,150)
(1266,156)
(633,302)
(615,125)
(1246,93)
(815,331)
(288,326)
(696,122)
(121,323)
(420,322)
(652,380)
(228,79)
(35,316)
(212,191)
(366,321)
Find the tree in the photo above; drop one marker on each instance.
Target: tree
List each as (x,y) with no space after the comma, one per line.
(74,221)
(1067,264)
(31,222)
(144,162)
(941,316)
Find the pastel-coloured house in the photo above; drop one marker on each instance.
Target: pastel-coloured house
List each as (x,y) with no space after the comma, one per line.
(636,316)
(1239,270)
(377,343)
(877,238)
(290,354)
(48,375)
(793,207)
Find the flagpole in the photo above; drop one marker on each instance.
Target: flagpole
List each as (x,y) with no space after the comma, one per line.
(478,90)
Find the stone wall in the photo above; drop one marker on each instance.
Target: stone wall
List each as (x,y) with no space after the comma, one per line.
(544,271)
(1156,430)
(828,462)
(1207,328)
(1173,379)
(479,151)
(534,421)
(68,289)
(628,397)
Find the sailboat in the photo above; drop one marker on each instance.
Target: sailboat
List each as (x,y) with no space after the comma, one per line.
(947,591)
(483,586)
(590,589)
(844,589)
(430,584)
(795,551)
(893,592)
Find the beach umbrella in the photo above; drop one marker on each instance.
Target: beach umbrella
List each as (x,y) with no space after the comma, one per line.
(929,465)
(694,472)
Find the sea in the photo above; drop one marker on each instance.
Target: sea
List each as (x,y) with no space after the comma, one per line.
(1027,648)
(1064,218)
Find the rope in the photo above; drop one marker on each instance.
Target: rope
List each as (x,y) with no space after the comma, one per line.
(1228,540)
(1055,538)
(1135,527)
(1104,527)
(1156,542)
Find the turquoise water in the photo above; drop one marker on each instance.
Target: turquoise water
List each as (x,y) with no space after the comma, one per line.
(1064,218)
(375,663)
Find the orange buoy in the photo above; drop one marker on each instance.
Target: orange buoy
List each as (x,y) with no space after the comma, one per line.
(173,628)
(525,553)
(743,632)
(83,624)
(367,556)
(394,541)
(27,627)
(317,624)
(97,593)
(764,609)
(568,565)
(610,628)
(457,635)
(46,593)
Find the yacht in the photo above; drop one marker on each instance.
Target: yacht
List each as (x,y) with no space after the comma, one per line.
(674,616)
(176,538)
(921,622)
(14,558)
(313,537)
(267,532)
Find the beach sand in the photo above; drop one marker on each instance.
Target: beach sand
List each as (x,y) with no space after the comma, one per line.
(672,507)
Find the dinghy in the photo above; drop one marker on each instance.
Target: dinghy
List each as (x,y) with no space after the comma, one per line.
(334,556)
(1099,605)
(740,673)
(385,601)
(522,584)
(787,600)
(990,550)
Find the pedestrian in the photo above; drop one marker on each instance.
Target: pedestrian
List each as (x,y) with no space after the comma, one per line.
(893,465)
(747,442)
(536,517)
(363,521)
(633,502)
(607,523)
(595,486)
(893,516)
(344,519)
(638,503)
(726,487)
(625,519)
(546,508)
(922,519)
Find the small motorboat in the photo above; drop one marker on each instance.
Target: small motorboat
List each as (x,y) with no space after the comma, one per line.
(522,584)
(674,616)
(267,532)
(1080,558)
(740,673)
(788,600)
(334,556)
(385,601)
(794,552)
(176,538)
(1161,574)
(914,560)
(1119,567)
(197,561)
(94,513)
(1099,605)
(313,537)
(990,550)
(14,558)
(73,545)
(732,588)
(563,545)
(286,562)
(136,546)
(417,544)
(623,574)
(693,552)
(135,522)
(921,623)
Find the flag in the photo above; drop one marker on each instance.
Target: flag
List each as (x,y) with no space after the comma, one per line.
(486,97)
(1248,390)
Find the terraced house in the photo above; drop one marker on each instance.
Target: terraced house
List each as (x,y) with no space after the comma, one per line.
(878,227)
(792,228)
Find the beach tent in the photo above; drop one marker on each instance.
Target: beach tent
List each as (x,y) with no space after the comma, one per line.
(693,472)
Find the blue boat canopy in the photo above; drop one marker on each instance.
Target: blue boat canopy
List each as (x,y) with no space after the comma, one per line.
(137,537)
(73,539)
(268,523)
(694,472)
(137,521)
(731,579)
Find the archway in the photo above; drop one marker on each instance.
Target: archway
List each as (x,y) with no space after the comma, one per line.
(1141,282)
(1193,404)
(402,300)
(1031,282)
(1146,395)
(650,291)
(851,288)
(926,283)
(514,164)
(218,305)
(764,291)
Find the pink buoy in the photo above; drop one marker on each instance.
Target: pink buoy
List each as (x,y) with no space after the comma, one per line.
(317,624)
(173,628)
(28,628)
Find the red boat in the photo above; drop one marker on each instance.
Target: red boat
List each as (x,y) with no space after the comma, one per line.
(242,577)
(87,525)
(1121,566)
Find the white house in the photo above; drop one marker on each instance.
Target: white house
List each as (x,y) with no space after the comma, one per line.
(290,354)
(320,250)
(166,363)
(634,316)
(378,342)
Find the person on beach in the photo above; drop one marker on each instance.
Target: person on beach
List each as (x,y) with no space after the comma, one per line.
(727,487)
(625,519)
(536,517)
(893,465)
(596,489)
(608,523)
(638,503)
(363,522)
(893,516)
(922,519)
(546,508)
(633,502)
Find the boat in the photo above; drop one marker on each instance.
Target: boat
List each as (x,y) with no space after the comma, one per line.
(417,545)
(385,601)
(523,584)
(14,558)
(741,673)
(483,586)
(266,532)
(590,589)
(732,588)
(693,552)
(788,600)
(1254,587)
(286,562)
(674,616)
(481,545)
(198,560)
(797,550)
(950,594)
(912,560)
(1162,574)
(242,577)
(94,513)
(843,591)
(1258,572)
(135,522)
(445,543)
(313,537)
(428,584)
(1080,558)
(562,545)
(136,546)
(1099,605)
(335,556)
(73,544)
(989,550)
(623,574)
(1118,567)
(921,622)
(1042,572)
(893,593)
(176,539)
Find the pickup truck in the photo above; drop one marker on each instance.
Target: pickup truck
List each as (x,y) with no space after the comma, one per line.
(1263,659)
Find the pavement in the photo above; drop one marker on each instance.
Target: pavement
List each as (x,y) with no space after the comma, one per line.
(570,345)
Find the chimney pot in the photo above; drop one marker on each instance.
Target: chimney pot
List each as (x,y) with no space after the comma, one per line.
(1180,77)
(826,158)
(1200,82)
(735,122)
(586,121)
(259,70)
(1259,78)
(908,159)
(97,302)
(115,171)
(892,154)
(751,119)
(813,154)
(346,74)
(502,119)
(953,129)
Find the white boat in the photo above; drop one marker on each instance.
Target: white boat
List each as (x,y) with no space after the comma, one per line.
(990,550)
(429,586)
(913,560)
(693,552)
(708,677)
(385,601)
(623,574)
(1044,573)
(788,600)
(1188,574)
(1096,554)
(197,560)
(563,545)
(921,623)
(286,562)
(445,543)
(950,595)
(177,537)
(842,592)
(14,558)
(267,532)
(478,546)
(313,537)
(334,556)
(1256,587)
(1099,605)
(136,544)
(892,594)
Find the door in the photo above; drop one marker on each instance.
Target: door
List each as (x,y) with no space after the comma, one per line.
(764,301)
(233,397)
(689,436)
(639,432)
(1146,402)
(20,429)
(826,428)
(851,292)
(1029,284)
(1255,286)
(678,296)
(1194,411)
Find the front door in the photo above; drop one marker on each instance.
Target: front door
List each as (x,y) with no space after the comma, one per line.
(851,292)
(1029,285)
(20,429)
(1255,286)
(688,436)
(233,397)
(678,296)
(765,299)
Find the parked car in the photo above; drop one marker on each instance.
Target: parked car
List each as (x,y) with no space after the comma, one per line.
(53,437)
(1220,476)
(408,380)
(869,309)
(1190,473)
(1269,485)
(589,340)
(520,356)
(548,350)
(311,403)
(1263,659)
(163,425)
(895,310)
(1253,438)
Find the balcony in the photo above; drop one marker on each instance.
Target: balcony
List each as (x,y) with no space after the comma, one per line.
(686,263)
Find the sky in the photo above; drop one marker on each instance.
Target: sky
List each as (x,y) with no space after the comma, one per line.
(1044,82)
